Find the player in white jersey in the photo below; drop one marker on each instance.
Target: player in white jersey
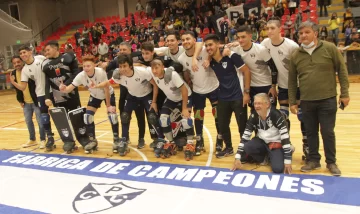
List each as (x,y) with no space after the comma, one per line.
(280,49)
(138,81)
(178,95)
(204,85)
(173,50)
(258,59)
(89,77)
(32,70)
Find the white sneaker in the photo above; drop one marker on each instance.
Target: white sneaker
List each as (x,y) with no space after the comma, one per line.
(29,143)
(42,144)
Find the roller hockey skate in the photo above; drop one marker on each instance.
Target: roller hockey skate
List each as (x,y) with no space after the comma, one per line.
(199,145)
(116,144)
(180,143)
(69,147)
(123,148)
(219,145)
(159,146)
(91,146)
(50,144)
(168,150)
(141,143)
(189,152)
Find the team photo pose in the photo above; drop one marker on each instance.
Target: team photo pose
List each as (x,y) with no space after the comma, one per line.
(90,77)
(178,95)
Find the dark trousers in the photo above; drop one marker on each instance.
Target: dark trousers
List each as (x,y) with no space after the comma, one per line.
(258,149)
(139,112)
(323,113)
(225,109)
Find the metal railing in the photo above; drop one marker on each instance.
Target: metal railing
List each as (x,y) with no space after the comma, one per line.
(6,17)
(47,31)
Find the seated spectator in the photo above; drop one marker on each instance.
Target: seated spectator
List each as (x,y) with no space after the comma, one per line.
(271,140)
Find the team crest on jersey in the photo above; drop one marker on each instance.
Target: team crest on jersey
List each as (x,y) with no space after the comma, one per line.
(137,79)
(57,71)
(187,64)
(280,52)
(65,132)
(199,58)
(224,64)
(96,197)
(30,70)
(158,81)
(62,60)
(252,55)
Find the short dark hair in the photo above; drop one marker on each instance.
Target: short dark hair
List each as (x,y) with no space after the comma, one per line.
(174,33)
(25,47)
(244,28)
(125,58)
(147,46)
(52,43)
(191,33)
(15,57)
(212,37)
(276,20)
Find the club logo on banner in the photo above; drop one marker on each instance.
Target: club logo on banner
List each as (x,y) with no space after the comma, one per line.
(99,197)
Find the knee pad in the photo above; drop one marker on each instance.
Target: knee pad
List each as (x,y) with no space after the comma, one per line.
(284,108)
(152,118)
(299,115)
(214,110)
(125,117)
(89,117)
(199,114)
(164,120)
(187,123)
(113,118)
(45,118)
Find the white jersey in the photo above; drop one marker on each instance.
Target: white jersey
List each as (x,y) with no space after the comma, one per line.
(99,76)
(204,80)
(172,89)
(281,56)
(34,72)
(255,58)
(138,84)
(167,53)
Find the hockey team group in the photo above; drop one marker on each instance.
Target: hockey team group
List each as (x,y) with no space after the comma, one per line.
(171,85)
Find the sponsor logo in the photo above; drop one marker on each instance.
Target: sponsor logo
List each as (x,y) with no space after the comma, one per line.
(96,197)
(82,130)
(65,132)
(57,72)
(55,110)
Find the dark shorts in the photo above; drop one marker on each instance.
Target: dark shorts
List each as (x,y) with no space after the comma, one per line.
(169,105)
(199,100)
(257,90)
(132,102)
(283,94)
(96,103)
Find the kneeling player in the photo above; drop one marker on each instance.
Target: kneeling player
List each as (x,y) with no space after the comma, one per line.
(138,81)
(272,138)
(89,77)
(178,95)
